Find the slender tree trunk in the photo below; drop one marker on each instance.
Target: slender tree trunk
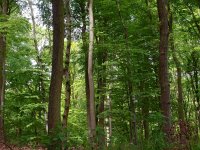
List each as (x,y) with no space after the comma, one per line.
(181,117)
(67,63)
(146,99)
(145,110)
(133,124)
(54,116)
(195,84)
(30,3)
(195,61)
(102,56)
(195,105)
(108,104)
(85,47)
(92,127)
(3,12)
(41,88)
(82,5)
(145,121)
(2,81)
(163,67)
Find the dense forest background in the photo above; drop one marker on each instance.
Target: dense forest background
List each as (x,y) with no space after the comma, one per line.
(108,74)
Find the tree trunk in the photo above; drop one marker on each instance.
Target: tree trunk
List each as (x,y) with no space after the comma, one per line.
(163,67)
(181,117)
(194,101)
(54,116)
(67,63)
(92,118)
(82,5)
(40,86)
(3,12)
(38,59)
(102,56)
(132,123)
(195,84)
(195,61)
(2,81)
(145,114)
(108,120)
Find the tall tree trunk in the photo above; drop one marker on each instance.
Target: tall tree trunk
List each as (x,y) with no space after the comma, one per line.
(82,5)
(108,120)
(133,124)
(41,88)
(145,109)
(195,61)
(102,56)
(194,101)
(67,63)
(3,12)
(145,112)
(2,81)
(181,117)
(195,84)
(54,116)
(146,99)
(92,118)
(163,67)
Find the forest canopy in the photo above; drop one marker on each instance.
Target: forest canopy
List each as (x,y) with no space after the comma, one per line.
(100,74)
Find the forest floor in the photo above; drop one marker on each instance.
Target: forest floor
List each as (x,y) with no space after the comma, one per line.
(5,146)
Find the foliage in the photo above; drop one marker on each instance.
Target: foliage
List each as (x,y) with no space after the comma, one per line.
(125,53)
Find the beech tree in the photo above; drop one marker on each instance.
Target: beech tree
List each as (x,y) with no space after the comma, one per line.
(181,116)
(114,65)
(4,13)
(67,64)
(163,67)
(91,100)
(54,113)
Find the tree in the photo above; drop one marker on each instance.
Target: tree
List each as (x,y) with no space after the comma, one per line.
(181,116)
(54,116)
(163,67)
(3,13)
(114,76)
(101,91)
(91,101)
(39,57)
(67,64)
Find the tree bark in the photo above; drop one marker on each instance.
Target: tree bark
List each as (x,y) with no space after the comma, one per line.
(163,67)
(3,12)
(67,65)
(2,81)
(92,128)
(54,116)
